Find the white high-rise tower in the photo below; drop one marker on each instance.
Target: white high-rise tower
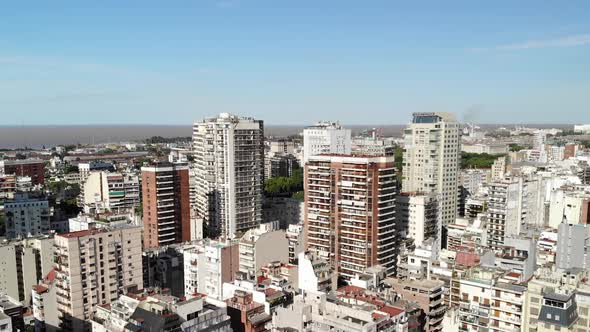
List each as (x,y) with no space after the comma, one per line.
(432,157)
(229,172)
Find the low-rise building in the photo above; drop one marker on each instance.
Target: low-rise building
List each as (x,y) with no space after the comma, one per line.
(14,310)
(428,294)
(112,191)
(150,311)
(315,273)
(34,168)
(27,215)
(491,300)
(261,246)
(557,301)
(209,264)
(296,241)
(350,309)
(247,315)
(45,304)
(163,268)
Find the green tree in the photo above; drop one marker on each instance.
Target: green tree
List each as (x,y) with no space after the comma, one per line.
(285,185)
(478,160)
(515,147)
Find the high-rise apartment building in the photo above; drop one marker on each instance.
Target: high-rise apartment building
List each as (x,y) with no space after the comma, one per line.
(432,158)
(350,211)
(229,174)
(94,267)
(324,138)
(166,204)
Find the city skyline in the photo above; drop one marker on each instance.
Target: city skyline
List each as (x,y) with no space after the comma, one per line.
(177,64)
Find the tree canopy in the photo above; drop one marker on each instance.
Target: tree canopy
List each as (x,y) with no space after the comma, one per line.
(478,160)
(281,186)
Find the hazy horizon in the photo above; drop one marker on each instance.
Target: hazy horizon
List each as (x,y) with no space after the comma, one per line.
(37,136)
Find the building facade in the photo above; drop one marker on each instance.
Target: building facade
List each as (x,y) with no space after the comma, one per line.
(33,168)
(112,191)
(27,215)
(350,211)
(325,138)
(93,268)
(417,217)
(22,264)
(432,159)
(166,204)
(229,174)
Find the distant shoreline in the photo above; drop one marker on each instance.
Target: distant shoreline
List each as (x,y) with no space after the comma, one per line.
(37,136)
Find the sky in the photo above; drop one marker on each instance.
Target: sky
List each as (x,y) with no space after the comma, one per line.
(293,62)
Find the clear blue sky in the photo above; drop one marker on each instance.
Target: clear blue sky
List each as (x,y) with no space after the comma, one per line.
(293,62)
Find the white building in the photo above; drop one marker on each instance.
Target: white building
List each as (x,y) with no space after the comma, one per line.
(514,204)
(314,311)
(26,216)
(498,169)
(85,222)
(555,153)
(325,138)
(583,128)
(417,216)
(432,156)
(485,148)
(540,139)
(112,191)
(261,246)
(296,240)
(315,274)
(229,173)
(473,179)
(208,265)
(570,206)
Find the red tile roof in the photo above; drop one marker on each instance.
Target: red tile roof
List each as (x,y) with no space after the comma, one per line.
(467,259)
(40,289)
(50,275)
(391,311)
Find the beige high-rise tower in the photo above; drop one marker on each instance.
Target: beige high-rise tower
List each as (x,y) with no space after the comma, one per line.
(94,267)
(432,160)
(228,174)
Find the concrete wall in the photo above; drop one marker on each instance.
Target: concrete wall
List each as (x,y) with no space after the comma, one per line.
(8,273)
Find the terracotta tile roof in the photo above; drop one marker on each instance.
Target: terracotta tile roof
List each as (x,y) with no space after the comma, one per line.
(391,311)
